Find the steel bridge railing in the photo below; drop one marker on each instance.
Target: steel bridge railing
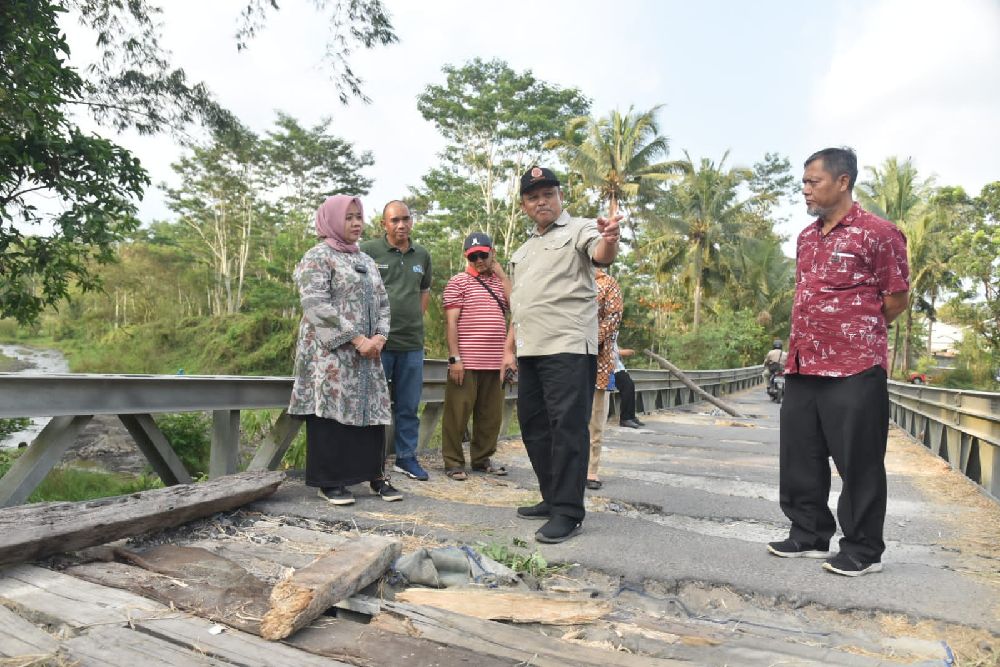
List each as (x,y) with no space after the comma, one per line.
(962,427)
(71,400)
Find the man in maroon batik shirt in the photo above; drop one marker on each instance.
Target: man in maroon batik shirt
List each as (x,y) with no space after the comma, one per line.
(851,281)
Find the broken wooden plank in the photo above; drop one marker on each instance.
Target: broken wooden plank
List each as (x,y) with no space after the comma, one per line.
(18,637)
(190,579)
(300,598)
(29,532)
(113,646)
(519,645)
(237,647)
(56,599)
(361,644)
(59,599)
(517,607)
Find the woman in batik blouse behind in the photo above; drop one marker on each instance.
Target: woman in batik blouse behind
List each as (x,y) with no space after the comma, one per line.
(340,388)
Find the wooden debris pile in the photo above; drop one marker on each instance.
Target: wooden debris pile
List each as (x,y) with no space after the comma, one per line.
(266,593)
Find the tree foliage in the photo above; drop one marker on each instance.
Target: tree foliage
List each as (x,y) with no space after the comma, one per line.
(51,171)
(496,122)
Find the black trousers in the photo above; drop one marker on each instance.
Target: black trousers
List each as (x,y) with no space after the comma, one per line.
(554,397)
(846,419)
(626,395)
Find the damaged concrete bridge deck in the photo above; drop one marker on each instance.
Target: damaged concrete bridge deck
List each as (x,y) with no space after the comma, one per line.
(687,505)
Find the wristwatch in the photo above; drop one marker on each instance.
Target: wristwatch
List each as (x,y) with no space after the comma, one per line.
(454,360)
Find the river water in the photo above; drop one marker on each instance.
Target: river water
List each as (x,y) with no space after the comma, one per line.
(43,362)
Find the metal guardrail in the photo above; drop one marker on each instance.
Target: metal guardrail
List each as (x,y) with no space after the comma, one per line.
(71,400)
(962,427)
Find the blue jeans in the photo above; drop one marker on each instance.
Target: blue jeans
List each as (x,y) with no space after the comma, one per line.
(405,373)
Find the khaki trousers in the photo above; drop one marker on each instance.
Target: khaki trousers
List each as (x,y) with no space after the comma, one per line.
(598,419)
(481,397)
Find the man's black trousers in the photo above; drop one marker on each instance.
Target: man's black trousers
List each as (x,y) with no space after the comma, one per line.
(626,395)
(554,397)
(846,419)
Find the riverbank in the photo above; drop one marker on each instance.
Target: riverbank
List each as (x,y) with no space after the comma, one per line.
(13,364)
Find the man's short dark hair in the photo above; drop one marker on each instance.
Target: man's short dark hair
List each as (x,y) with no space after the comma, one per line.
(837,161)
(394,201)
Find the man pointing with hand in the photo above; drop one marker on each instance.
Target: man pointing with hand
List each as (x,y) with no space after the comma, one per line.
(552,344)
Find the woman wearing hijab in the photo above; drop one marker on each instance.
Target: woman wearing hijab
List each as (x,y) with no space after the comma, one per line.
(340,388)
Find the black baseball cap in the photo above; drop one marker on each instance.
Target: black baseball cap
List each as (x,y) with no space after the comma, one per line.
(537,176)
(478,242)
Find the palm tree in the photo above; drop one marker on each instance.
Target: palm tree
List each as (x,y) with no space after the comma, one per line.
(896,193)
(704,209)
(761,278)
(619,158)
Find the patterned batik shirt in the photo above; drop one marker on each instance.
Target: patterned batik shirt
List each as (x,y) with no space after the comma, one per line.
(838,328)
(342,296)
(609,317)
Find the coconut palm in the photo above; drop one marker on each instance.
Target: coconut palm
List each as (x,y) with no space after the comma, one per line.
(895,192)
(704,209)
(619,157)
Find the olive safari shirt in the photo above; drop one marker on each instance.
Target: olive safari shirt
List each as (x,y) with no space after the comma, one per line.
(406,276)
(554,296)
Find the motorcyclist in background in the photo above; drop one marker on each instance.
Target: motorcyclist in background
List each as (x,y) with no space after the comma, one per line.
(774,360)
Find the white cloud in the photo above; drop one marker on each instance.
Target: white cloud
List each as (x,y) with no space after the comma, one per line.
(916,79)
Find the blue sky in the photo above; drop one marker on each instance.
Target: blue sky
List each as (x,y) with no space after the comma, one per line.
(889,77)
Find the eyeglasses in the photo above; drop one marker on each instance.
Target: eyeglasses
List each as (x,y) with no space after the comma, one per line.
(476,256)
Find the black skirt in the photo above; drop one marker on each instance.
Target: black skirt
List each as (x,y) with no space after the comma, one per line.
(340,455)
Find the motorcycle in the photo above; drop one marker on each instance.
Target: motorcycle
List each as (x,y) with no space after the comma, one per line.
(776,385)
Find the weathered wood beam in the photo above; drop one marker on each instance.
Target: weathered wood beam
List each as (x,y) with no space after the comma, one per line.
(514,606)
(157,450)
(59,599)
(41,456)
(29,532)
(298,600)
(501,640)
(679,374)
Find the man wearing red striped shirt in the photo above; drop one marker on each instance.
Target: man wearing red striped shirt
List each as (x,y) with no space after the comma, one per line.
(476,303)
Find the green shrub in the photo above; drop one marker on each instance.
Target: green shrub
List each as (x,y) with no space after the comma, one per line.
(189,433)
(733,340)
(518,558)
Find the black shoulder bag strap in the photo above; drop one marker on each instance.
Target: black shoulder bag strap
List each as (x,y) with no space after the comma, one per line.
(503,308)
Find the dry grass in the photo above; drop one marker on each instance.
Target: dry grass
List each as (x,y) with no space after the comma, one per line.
(976,526)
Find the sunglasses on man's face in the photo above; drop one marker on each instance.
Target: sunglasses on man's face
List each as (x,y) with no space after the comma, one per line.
(476,256)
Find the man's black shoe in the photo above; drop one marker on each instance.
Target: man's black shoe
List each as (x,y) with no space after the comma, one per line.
(558,529)
(789,548)
(539,511)
(850,565)
(630,423)
(639,421)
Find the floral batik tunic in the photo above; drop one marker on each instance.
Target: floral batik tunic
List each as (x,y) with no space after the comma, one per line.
(342,296)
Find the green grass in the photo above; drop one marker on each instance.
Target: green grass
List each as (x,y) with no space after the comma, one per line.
(71,484)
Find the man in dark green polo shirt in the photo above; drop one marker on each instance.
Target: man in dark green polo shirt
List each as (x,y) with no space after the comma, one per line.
(406,272)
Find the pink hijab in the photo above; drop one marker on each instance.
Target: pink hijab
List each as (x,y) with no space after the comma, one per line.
(331,222)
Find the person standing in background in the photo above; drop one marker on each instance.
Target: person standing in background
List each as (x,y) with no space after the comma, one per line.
(405,268)
(476,303)
(609,318)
